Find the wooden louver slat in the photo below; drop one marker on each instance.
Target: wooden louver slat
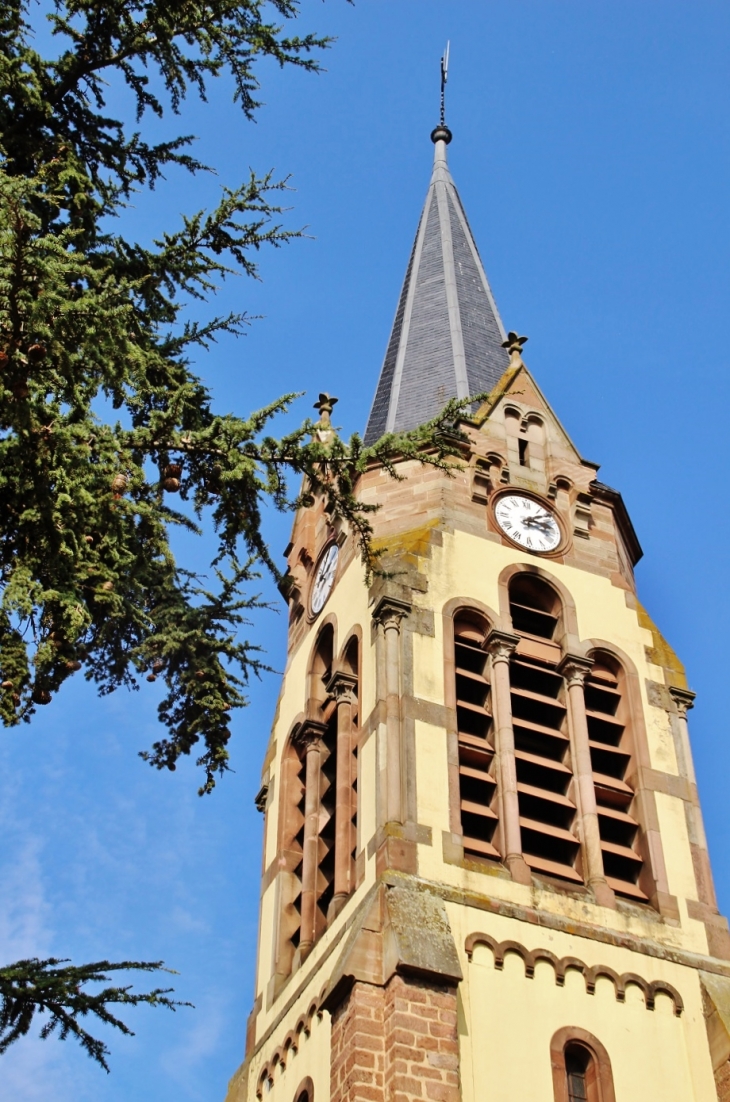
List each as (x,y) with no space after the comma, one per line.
(606,714)
(542,745)
(477,784)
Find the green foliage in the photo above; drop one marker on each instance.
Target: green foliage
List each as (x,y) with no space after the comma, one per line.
(92,323)
(38,987)
(109,442)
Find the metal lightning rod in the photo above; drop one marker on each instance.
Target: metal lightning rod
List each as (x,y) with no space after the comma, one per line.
(444,78)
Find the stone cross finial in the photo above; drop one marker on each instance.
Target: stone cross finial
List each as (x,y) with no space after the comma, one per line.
(513,344)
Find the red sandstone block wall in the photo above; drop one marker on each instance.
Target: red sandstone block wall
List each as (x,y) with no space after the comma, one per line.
(396,1044)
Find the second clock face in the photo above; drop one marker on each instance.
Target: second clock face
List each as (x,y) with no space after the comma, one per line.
(324,579)
(527,522)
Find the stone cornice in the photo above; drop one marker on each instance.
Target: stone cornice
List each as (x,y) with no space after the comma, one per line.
(537,916)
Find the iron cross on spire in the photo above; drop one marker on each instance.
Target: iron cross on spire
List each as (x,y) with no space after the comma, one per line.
(444,78)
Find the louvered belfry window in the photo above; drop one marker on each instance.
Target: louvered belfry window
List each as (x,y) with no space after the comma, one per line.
(610,742)
(542,744)
(292,917)
(327,800)
(349,810)
(319,803)
(477,779)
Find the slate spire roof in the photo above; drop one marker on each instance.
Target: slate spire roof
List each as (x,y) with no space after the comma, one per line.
(446,340)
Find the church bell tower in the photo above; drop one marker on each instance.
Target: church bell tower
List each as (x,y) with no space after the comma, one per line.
(485,875)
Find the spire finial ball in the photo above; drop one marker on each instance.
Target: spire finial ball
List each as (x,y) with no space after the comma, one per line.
(441,134)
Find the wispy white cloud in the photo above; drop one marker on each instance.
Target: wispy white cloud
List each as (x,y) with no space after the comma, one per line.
(35,1070)
(184,920)
(198,1041)
(25,913)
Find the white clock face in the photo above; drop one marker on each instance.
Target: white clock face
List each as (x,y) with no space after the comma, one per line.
(324,579)
(527,522)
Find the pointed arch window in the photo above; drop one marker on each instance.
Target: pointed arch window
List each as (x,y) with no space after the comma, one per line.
(542,745)
(477,775)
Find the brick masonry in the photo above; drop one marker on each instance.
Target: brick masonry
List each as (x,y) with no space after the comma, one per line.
(396,1043)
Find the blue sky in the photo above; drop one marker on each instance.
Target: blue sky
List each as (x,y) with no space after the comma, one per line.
(591,152)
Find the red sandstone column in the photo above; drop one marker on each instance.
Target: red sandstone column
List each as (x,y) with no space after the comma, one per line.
(310,737)
(343,686)
(684,699)
(389,614)
(575,670)
(501,645)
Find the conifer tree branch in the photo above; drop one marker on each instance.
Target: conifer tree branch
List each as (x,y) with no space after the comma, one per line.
(55,991)
(92,322)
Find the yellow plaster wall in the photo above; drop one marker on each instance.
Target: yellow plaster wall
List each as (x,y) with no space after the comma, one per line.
(432,784)
(367,780)
(507,1020)
(677,852)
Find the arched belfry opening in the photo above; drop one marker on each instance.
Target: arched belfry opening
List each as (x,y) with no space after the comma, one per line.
(535,607)
(545,781)
(478,801)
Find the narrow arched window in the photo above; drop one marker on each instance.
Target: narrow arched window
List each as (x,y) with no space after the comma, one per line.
(305,1091)
(609,732)
(477,778)
(578,1069)
(542,744)
(581,1067)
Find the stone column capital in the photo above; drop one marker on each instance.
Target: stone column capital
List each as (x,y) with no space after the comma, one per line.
(501,645)
(261,798)
(389,611)
(310,734)
(575,669)
(683,698)
(342,686)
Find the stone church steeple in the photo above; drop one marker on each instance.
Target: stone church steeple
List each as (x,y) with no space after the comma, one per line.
(447,335)
(485,875)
